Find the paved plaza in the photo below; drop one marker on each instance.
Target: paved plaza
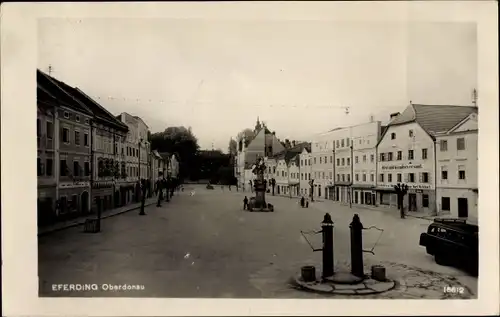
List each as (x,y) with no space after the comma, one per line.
(205,245)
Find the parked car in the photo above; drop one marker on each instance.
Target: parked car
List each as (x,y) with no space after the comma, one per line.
(453,242)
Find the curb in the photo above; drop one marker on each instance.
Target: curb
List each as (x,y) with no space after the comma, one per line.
(80,223)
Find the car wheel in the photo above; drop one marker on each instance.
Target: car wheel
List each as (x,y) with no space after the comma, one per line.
(441,259)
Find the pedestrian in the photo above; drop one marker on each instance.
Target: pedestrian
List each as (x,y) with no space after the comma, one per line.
(302,202)
(307,203)
(245,203)
(229,187)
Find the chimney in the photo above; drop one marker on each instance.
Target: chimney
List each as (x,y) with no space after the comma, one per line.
(394,115)
(274,132)
(371,119)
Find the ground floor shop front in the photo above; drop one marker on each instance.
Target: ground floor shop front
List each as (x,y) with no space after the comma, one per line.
(73,201)
(363,196)
(343,193)
(416,200)
(457,202)
(46,204)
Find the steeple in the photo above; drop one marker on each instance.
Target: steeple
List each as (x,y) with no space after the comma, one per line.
(258,126)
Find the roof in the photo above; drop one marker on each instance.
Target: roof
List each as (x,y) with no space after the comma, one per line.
(290,153)
(50,90)
(433,118)
(165,155)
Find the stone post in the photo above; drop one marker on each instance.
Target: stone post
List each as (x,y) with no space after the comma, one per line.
(356,247)
(327,231)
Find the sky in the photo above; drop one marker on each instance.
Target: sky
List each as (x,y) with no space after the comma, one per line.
(218,76)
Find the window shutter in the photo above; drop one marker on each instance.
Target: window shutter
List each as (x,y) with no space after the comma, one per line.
(406,177)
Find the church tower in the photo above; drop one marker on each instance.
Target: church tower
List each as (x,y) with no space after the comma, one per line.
(258,126)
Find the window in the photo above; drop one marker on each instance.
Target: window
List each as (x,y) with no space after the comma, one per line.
(400,155)
(348,161)
(301,162)
(314,160)
(309,162)
(364,158)
(87,168)
(66,114)
(63,168)
(77,118)
(364,177)
(347,143)
(343,161)
(372,177)
(356,159)
(76,168)
(445,203)
(38,128)
(338,162)
(338,177)
(460,144)
(49,166)
(381,178)
(398,178)
(331,175)
(337,143)
(389,156)
(357,177)
(348,177)
(39,167)
(320,160)
(444,173)
(50,130)
(372,158)
(424,154)
(411,177)
(393,136)
(425,201)
(425,177)
(410,154)
(389,178)
(65,135)
(77,137)
(410,133)
(331,159)
(324,175)
(326,159)
(86,121)
(343,144)
(461,172)
(443,145)
(382,157)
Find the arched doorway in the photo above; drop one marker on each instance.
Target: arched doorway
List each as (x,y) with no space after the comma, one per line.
(84,200)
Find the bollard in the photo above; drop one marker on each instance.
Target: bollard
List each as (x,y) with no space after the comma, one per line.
(356,247)
(308,273)
(378,273)
(327,230)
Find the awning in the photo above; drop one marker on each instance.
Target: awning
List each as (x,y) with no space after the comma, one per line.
(385,189)
(293,184)
(363,186)
(343,183)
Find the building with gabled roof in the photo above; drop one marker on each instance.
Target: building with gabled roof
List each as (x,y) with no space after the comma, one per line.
(263,143)
(407,154)
(457,189)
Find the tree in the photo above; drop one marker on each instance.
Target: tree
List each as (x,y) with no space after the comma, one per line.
(247,133)
(401,191)
(181,141)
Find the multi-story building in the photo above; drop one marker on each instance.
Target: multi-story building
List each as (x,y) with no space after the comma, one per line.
(46,176)
(263,144)
(108,155)
(322,165)
(406,154)
(72,148)
(364,148)
(174,166)
(305,171)
(135,142)
(293,163)
(457,169)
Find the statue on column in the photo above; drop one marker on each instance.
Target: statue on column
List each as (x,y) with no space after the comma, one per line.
(260,185)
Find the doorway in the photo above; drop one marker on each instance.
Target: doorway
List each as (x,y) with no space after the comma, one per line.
(356,197)
(463,208)
(337,196)
(412,199)
(85,202)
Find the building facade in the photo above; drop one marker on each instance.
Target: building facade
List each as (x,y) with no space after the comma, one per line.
(294,175)
(46,179)
(457,169)
(322,166)
(72,149)
(364,144)
(407,154)
(305,171)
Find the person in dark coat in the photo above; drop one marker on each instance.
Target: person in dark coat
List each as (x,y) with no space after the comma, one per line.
(302,201)
(245,203)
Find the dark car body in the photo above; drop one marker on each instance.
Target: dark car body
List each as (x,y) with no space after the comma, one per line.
(454,242)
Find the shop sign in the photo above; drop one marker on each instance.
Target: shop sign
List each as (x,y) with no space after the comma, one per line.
(410,186)
(401,166)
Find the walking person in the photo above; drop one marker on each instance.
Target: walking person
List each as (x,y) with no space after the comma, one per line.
(302,202)
(245,203)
